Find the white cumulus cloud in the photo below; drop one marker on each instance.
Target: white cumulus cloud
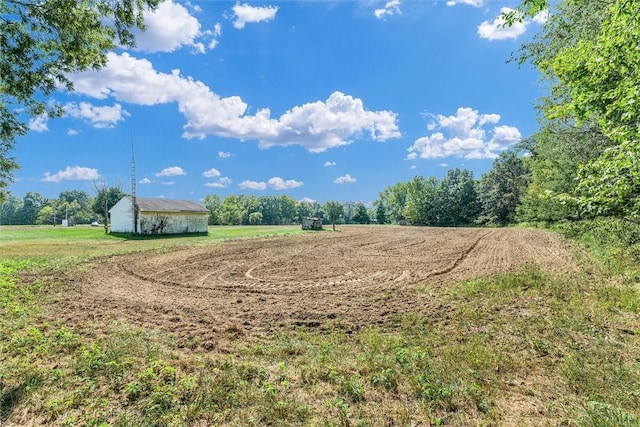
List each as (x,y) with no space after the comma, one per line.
(345,179)
(329,163)
(211,173)
(245,13)
(317,126)
(467,134)
(171,171)
(72,173)
(224,154)
(275,183)
(496,30)
(222,182)
(392,7)
(169,28)
(98,117)
(252,185)
(278,183)
(474,3)
(39,124)
(145,181)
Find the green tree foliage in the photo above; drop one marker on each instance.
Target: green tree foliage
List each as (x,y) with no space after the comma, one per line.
(556,154)
(77,205)
(528,8)
(428,201)
(501,189)
(588,52)
(274,210)
(381,213)
(602,76)
(361,216)
(394,199)
(106,198)
(232,210)
(277,209)
(270,208)
(288,209)
(212,203)
(31,205)
(46,215)
(457,201)
(422,201)
(43,41)
(304,210)
(334,211)
(349,210)
(10,210)
(255,218)
(36,209)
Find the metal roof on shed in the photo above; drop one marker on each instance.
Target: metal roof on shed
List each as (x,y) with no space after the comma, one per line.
(168,205)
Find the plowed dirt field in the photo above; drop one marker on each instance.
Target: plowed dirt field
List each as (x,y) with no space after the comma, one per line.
(359,276)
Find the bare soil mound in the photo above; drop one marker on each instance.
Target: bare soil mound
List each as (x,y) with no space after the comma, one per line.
(359,276)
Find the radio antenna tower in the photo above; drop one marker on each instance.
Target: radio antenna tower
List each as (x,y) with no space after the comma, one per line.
(134,202)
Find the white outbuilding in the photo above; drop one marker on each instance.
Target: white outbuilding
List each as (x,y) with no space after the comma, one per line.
(158,216)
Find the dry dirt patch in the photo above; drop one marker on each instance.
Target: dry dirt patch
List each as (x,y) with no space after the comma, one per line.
(359,276)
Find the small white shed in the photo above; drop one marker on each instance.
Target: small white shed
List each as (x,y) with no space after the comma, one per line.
(158,216)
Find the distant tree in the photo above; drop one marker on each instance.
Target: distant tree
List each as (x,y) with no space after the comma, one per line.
(31,205)
(349,211)
(45,216)
(255,218)
(501,189)
(247,205)
(361,216)
(231,210)
(41,43)
(106,198)
(83,199)
(334,211)
(381,213)
(212,203)
(270,209)
(394,199)
(318,210)
(422,201)
(10,210)
(78,203)
(457,199)
(304,210)
(287,209)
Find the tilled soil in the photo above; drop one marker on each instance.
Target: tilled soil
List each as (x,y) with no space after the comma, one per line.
(359,276)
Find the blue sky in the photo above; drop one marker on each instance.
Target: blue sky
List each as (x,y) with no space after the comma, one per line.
(319,100)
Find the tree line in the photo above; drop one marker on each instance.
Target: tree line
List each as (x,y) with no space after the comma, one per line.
(75,206)
(273,210)
(78,207)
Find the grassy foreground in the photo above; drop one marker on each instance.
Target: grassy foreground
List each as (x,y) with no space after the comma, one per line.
(525,348)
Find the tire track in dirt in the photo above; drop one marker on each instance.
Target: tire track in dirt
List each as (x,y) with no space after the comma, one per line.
(460,259)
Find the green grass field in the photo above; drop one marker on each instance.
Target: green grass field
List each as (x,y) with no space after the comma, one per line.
(524,348)
(30,241)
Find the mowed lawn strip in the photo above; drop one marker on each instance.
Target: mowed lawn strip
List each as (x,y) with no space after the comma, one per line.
(523,348)
(34,241)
